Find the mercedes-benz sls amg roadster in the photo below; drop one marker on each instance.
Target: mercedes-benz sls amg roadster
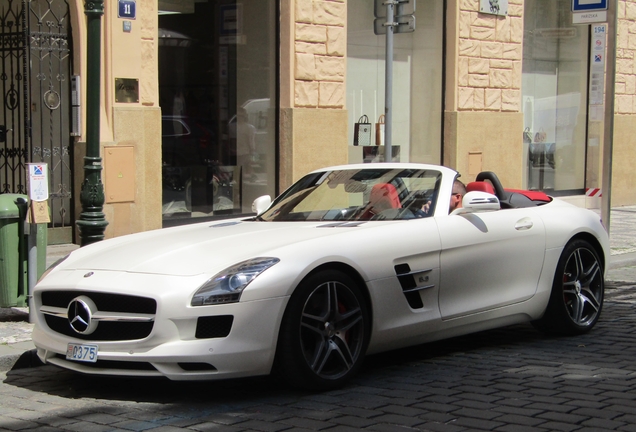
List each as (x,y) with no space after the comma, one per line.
(349,261)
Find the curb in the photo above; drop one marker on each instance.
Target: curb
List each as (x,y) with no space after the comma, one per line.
(18,356)
(622,260)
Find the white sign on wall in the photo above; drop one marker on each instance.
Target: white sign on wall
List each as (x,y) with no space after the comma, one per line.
(495,7)
(597,72)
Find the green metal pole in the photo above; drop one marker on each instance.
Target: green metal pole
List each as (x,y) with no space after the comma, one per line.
(92,222)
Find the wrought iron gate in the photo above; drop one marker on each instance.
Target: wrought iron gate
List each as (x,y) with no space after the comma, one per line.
(35,68)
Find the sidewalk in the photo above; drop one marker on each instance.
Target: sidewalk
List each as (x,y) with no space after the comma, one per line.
(17,350)
(15,329)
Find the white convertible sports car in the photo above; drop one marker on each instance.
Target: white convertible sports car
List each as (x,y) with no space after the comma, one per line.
(350,260)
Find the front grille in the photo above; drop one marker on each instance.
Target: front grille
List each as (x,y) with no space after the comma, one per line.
(214,326)
(105,331)
(103,301)
(119,330)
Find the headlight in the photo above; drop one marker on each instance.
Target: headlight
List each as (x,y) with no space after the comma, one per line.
(227,286)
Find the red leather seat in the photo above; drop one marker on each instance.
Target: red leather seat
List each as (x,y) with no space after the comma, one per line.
(480,186)
(533,195)
(383,196)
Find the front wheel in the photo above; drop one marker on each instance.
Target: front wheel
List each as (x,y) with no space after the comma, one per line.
(577,291)
(324,333)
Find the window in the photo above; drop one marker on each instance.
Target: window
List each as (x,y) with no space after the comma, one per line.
(217,81)
(554,89)
(417,80)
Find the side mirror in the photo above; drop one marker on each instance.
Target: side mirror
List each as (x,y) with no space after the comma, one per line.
(477,202)
(261,204)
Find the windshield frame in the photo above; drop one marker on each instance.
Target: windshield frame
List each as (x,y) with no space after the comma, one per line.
(347,194)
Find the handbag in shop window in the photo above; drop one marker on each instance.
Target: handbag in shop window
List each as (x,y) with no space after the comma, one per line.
(379,131)
(540,136)
(527,136)
(362,132)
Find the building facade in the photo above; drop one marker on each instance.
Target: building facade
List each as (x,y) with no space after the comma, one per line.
(208,104)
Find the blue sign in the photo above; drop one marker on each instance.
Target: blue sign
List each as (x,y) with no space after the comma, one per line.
(588,5)
(127,9)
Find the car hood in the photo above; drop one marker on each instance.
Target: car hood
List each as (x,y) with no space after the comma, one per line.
(200,248)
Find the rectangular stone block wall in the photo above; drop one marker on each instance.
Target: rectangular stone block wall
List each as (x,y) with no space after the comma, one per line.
(489,58)
(320,43)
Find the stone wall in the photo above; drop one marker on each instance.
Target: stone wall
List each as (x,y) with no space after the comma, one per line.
(489,58)
(624,139)
(625,101)
(320,50)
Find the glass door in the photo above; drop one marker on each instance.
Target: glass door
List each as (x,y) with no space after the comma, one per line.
(555,91)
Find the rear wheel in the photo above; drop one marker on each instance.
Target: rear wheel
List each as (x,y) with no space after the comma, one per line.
(324,333)
(577,291)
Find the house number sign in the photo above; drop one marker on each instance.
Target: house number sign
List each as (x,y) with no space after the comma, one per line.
(127,9)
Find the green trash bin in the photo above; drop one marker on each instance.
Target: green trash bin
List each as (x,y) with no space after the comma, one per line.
(13,258)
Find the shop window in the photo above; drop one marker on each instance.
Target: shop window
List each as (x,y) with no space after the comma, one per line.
(417,82)
(554,91)
(217,80)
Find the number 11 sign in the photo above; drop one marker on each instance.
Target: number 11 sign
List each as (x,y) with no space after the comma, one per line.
(127,9)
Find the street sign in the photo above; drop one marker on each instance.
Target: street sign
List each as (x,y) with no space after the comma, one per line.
(588,5)
(589,17)
(405,24)
(403,7)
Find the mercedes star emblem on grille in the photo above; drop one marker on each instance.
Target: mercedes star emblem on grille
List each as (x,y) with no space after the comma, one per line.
(80,313)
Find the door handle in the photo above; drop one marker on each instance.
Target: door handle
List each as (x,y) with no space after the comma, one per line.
(524,224)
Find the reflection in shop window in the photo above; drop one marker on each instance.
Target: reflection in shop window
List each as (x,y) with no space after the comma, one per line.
(417,82)
(554,92)
(217,70)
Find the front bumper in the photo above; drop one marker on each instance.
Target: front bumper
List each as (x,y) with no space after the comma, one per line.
(172,349)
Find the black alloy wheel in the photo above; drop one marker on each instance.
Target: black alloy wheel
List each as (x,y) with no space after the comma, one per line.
(577,294)
(324,334)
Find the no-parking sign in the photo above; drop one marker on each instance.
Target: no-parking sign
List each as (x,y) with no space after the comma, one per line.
(38,181)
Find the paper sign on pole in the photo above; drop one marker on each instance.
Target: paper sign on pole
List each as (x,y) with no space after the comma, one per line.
(38,187)
(38,181)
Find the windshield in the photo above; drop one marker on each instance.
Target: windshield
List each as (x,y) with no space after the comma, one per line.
(358,194)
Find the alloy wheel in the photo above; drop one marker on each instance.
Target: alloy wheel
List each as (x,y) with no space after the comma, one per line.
(582,286)
(332,330)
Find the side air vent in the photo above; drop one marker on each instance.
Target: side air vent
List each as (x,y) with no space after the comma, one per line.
(407,281)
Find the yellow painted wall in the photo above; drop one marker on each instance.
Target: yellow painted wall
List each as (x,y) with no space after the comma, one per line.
(130,55)
(623,161)
(496,135)
(311,139)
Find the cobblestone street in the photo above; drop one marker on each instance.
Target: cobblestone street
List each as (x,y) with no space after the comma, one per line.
(513,379)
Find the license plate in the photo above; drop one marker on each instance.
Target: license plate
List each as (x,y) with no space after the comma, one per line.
(83,353)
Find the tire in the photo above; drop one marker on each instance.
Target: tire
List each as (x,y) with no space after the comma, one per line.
(577,293)
(324,333)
